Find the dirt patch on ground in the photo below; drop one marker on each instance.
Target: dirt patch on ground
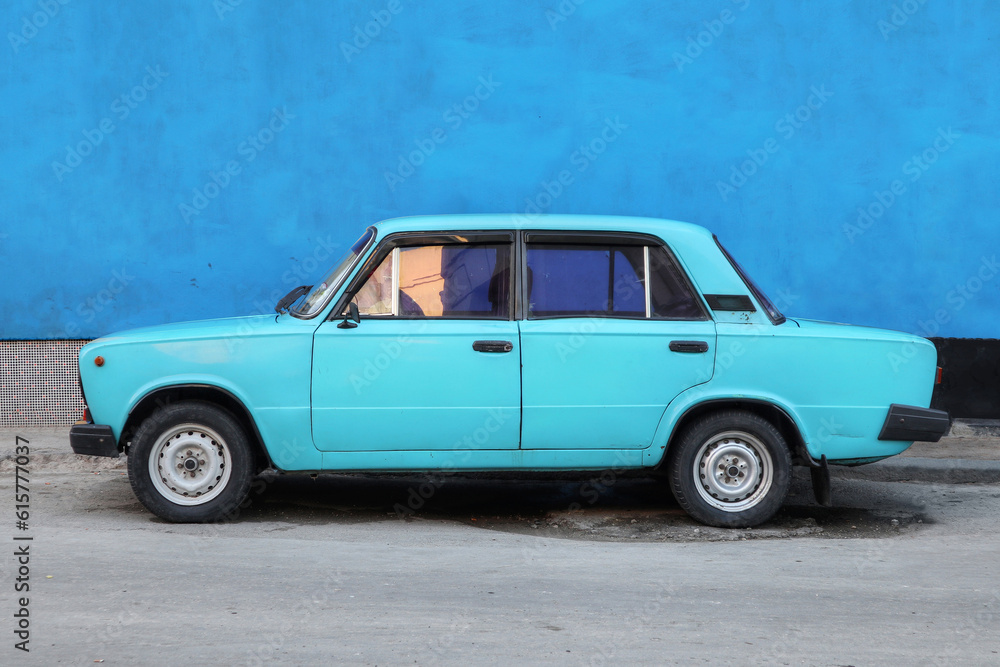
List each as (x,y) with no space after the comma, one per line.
(631,509)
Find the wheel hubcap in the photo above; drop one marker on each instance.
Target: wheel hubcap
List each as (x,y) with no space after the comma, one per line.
(733,471)
(190,464)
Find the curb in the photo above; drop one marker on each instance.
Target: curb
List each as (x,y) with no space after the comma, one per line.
(913,469)
(975,428)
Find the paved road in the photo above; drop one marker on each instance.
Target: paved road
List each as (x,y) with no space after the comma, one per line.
(491,570)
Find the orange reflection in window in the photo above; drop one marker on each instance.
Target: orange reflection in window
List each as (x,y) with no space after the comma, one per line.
(420,278)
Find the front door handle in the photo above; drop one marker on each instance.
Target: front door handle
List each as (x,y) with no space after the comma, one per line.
(688,346)
(492,346)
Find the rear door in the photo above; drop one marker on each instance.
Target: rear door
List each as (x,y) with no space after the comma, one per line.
(613,331)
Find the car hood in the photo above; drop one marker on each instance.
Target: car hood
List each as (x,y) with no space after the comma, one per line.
(199,329)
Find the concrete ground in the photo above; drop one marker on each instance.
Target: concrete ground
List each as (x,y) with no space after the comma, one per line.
(558,569)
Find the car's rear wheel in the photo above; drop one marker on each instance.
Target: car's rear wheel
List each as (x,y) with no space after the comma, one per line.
(190,462)
(730,469)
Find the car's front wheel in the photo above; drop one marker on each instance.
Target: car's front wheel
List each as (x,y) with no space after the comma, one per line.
(190,462)
(730,469)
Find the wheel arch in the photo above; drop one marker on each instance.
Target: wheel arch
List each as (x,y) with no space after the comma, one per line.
(207,393)
(775,414)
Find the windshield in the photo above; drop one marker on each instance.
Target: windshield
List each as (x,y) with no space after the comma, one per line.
(772,312)
(321,291)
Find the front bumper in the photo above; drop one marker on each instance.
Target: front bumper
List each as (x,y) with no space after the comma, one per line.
(93,440)
(908,424)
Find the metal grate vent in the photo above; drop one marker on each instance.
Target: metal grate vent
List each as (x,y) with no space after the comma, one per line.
(39,382)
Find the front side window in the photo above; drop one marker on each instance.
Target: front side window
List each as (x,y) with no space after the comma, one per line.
(595,280)
(469,280)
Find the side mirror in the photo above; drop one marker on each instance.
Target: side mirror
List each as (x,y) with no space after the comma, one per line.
(351,314)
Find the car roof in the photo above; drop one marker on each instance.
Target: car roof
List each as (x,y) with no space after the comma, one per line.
(693,245)
(486,221)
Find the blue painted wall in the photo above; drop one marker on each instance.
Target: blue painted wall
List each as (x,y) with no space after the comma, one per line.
(197,158)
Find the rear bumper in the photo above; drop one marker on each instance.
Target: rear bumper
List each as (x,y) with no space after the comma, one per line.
(93,440)
(908,424)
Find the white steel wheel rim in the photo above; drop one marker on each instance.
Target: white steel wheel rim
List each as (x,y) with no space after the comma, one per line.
(733,471)
(190,464)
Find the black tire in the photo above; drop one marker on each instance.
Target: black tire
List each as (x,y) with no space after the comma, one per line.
(751,463)
(211,463)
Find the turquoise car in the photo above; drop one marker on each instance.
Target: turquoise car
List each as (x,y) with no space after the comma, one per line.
(498,343)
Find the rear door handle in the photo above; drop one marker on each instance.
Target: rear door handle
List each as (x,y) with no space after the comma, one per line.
(492,346)
(688,346)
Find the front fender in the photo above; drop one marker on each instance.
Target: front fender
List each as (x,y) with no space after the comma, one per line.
(267,369)
(172,381)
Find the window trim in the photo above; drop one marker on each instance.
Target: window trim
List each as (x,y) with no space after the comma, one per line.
(395,282)
(645,275)
(600,238)
(589,238)
(393,242)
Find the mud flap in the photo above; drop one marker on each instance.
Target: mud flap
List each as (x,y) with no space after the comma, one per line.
(821,482)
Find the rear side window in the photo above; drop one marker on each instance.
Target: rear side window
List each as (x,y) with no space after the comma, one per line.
(588,280)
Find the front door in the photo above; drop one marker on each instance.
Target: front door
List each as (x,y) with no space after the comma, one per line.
(613,332)
(434,363)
